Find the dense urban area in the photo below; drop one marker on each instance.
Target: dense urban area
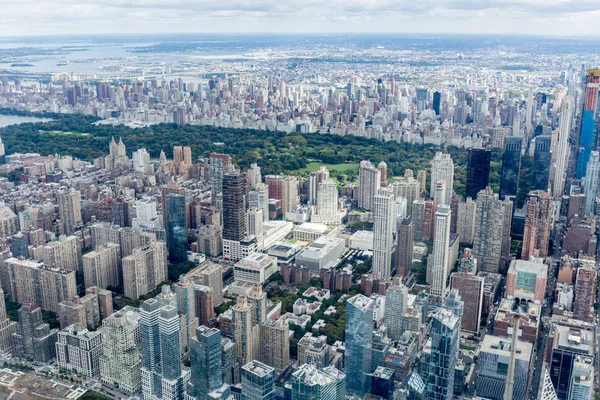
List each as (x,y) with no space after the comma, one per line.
(299,222)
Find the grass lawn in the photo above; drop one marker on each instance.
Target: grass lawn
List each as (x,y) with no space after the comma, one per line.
(314,166)
(65,133)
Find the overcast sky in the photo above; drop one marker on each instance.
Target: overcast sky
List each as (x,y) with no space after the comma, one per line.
(547,17)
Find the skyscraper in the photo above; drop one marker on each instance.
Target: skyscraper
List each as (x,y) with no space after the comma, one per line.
(585,293)
(205,362)
(592,174)
(511,166)
(588,121)
(176,227)
(404,247)
(34,340)
(243,331)
(478,171)
(258,381)
(162,375)
(466,221)
(69,210)
(470,288)
(439,257)
(274,344)
(234,217)
(327,203)
(220,165)
(542,158)
(442,168)
(369,183)
(439,195)
(440,363)
(536,236)
(562,156)
(382,167)
(101,266)
(311,383)
(120,363)
(383,226)
(396,298)
(487,239)
(359,340)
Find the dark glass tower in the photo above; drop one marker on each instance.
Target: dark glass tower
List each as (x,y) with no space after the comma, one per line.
(542,159)
(437,99)
(234,219)
(478,171)
(176,228)
(511,166)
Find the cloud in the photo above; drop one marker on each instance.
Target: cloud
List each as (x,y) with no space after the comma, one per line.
(32,17)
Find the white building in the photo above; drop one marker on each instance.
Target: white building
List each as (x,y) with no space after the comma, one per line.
(439,257)
(369,178)
(442,169)
(255,268)
(79,350)
(383,226)
(322,253)
(120,363)
(141,161)
(311,231)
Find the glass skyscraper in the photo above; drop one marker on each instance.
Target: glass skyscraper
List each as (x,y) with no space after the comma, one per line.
(359,341)
(176,227)
(206,362)
(478,171)
(258,381)
(588,121)
(542,158)
(511,166)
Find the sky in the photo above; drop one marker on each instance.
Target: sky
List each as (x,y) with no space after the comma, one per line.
(541,17)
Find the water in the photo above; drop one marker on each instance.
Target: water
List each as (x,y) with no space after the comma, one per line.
(6,120)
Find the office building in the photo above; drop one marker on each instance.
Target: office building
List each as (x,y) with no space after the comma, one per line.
(258,381)
(582,379)
(590,187)
(478,171)
(78,350)
(487,238)
(588,122)
(494,360)
(382,382)
(383,227)
(206,363)
(563,148)
(396,302)
(439,258)
(101,267)
(568,342)
(162,374)
(255,269)
(542,158)
(186,307)
(442,169)
(34,340)
(120,363)
(585,293)
(404,247)
(536,235)
(439,195)
(32,282)
(440,363)
(526,280)
(274,344)
(310,382)
(470,288)
(144,269)
(259,198)
(511,166)
(175,213)
(69,211)
(358,344)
